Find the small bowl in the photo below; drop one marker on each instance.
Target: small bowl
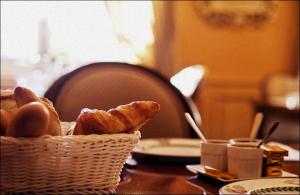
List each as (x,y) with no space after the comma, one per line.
(244,160)
(214,154)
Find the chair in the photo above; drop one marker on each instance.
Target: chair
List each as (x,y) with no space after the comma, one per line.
(280,93)
(277,87)
(188,81)
(107,85)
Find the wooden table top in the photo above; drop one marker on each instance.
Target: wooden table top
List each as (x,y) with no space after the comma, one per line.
(162,178)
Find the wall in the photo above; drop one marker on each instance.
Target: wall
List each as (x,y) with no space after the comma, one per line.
(237,60)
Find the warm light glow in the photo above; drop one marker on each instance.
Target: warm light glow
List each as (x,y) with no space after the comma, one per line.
(291,102)
(80,31)
(137,29)
(68,34)
(132,21)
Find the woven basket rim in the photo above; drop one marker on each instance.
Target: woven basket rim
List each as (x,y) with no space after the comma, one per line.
(95,137)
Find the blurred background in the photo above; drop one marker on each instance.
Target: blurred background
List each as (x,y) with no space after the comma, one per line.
(250,50)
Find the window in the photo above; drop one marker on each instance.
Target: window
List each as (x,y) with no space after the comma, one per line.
(80,31)
(65,32)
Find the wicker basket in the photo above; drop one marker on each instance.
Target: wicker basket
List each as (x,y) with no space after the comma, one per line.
(83,164)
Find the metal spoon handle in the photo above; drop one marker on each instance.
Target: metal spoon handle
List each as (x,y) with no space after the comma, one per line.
(194,126)
(271,131)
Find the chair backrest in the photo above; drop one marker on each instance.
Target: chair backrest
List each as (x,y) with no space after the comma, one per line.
(188,81)
(281,103)
(276,87)
(107,85)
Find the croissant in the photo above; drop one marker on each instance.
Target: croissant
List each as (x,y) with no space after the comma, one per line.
(124,118)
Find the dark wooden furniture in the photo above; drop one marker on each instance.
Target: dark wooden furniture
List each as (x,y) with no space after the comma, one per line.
(159,178)
(288,130)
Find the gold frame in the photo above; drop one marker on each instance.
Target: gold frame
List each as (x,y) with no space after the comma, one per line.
(236,13)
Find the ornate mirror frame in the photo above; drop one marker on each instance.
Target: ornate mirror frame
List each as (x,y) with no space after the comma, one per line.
(236,13)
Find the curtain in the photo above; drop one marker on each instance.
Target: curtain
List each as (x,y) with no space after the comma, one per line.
(147,29)
(163,29)
(132,23)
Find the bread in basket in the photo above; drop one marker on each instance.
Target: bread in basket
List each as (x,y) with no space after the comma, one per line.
(89,162)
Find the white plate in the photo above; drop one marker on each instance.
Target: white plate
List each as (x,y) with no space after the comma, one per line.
(169,148)
(199,169)
(263,186)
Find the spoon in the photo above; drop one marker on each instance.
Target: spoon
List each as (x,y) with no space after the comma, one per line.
(194,126)
(256,124)
(271,131)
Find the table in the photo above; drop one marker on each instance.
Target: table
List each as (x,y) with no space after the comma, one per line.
(160,178)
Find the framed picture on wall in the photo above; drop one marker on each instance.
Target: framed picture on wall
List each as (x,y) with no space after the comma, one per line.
(236,13)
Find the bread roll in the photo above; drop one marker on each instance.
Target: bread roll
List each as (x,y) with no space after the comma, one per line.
(24,96)
(30,120)
(5,117)
(124,118)
(8,101)
(54,127)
